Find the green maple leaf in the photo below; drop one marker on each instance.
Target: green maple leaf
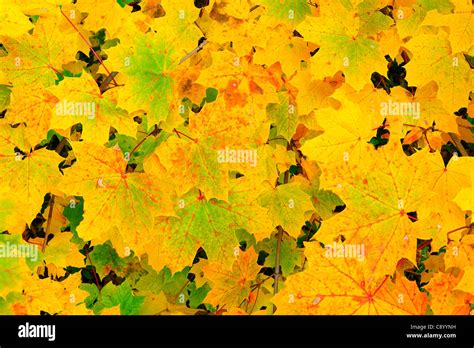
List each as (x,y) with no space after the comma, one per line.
(290,256)
(111,296)
(148,65)
(290,10)
(287,205)
(284,115)
(208,223)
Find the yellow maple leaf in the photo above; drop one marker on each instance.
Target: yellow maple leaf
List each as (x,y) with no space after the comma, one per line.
(114,198)
(342,285)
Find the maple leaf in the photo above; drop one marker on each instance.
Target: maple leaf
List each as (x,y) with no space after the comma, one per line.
(464,198)
(240,157)
(195,161)
(292,49)
(409,15)
(210,224)
(315,94)
(179,24)
(272,160)
(289,256)
(458,20)
(35,110)
(291,12)
(466,283)
(345,135)
(148,83)
(444,215)
(50,296)
(115,198)
(112,296)
(241,79)
(449,69)
(342,285)
(445,298)
(230,287)
(159,305)
(378,198)
(431,108)
(236,22)
(32,173)
(284,116)
(93,15)
(460,253)
(12,17)
(14,270)
(343,45)
(287,205)
(40,57)
(10,219)
(79,100)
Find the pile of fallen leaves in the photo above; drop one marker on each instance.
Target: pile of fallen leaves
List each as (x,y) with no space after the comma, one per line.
(236,156)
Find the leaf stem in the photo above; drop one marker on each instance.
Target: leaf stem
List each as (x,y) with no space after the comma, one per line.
(88,44)
(470,226)
(277,138)
(427,141)
(413,126)
(141,142)
(104,86)
(277,259)
(255,302)
(423,245)
(278,249)
(55,70)
(178,133)
(93,271)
